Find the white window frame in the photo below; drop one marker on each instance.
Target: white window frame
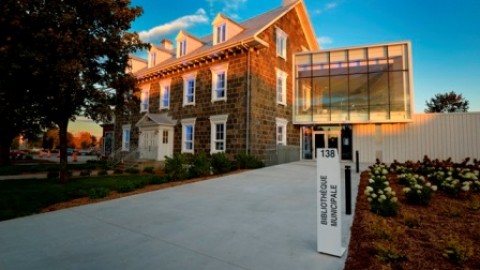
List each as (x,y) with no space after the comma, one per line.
(214,121)
(221,33)
(281,86)
(164,87)
(182,47)
(186,79)
(153,59)
(126,135)
(216,71)
(281,43)
(281,124)
(144,99)
(188,122)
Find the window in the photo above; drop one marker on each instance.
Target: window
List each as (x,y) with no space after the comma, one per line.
(165,94)
(281,43)
(218,133)
(153,59)
(126,137)
(165,136)
(189,89)
(281,86)
(281,132)
(188,135)
(221,33)
(144,100)
(219,82)
(182,48)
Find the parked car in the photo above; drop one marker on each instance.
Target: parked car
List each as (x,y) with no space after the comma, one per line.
(17,154)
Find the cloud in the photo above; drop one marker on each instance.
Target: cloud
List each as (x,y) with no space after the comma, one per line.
(326,7)
(184,22)
(227,7)
(323,40)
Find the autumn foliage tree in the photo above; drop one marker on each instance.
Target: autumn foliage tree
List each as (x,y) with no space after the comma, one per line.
(447,103)
(77,51)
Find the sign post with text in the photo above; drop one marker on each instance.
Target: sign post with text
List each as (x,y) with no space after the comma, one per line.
(329,203)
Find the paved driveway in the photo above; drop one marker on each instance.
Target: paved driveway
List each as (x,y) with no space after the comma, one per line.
(261,219)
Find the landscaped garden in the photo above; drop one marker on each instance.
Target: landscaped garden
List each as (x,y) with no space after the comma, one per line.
(28,196)
(417,215)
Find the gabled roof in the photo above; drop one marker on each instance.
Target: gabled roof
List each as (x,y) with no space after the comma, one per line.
(161,48)
(155,119)
(253,27)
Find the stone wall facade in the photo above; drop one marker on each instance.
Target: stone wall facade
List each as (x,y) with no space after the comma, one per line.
(261,63)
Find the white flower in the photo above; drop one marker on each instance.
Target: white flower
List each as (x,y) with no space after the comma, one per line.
(466,188)
(434,188)
(388,189)
(380,192)
(393,193)
(371,181)
(386,183)
(366,192)
(384,172)
(374,195)
(369,199)
(428,184)
(406,190)
(394,199)
(383,197)
(417,186)
(419,191)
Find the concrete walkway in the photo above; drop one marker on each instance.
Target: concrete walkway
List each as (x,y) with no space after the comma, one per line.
(260,219)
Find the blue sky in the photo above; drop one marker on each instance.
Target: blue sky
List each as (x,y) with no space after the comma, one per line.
(445,35)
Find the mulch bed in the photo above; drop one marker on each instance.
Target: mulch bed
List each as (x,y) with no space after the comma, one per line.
(418,236)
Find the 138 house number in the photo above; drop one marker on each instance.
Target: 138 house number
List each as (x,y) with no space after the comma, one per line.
(328,153)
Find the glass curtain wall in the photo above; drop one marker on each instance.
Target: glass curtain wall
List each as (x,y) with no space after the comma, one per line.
(369,84)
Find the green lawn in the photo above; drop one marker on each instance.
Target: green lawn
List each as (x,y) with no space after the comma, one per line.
(25,197)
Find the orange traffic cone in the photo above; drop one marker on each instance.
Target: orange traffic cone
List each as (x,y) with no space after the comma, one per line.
(48,154)
(74,155)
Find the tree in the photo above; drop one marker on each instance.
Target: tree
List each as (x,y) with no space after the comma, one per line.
(19,106)
(79,50)
(447,103)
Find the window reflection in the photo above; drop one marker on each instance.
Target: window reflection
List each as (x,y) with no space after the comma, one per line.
(358,84)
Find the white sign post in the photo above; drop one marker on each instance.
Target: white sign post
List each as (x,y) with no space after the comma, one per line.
(329,203)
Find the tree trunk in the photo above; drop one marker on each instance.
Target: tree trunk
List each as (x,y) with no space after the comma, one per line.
(62,127)
(5,142)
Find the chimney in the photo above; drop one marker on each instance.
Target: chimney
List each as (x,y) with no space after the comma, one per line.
(167,44)
(288,2)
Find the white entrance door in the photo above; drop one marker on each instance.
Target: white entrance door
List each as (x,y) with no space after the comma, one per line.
(148,144)
(166,143)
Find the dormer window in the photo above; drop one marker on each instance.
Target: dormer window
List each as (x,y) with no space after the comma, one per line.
(221,33)
(153,59)
(281,39)
(182,46)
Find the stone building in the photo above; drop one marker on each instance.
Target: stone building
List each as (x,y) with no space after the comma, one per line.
(231,91)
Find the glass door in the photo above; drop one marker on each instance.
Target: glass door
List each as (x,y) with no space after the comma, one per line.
(325,139)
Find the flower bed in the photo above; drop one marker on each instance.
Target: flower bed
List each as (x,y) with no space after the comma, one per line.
(436,224)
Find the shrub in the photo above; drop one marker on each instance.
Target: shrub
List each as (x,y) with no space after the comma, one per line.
(118,171)
(418,190)
(149,169)
(102,172)
(388,253)
(126,186)
(53,173)
(156,179)
(132,171)
(200,165)
(99,192)
(457,252)
(382,199)
(221,163)
(175,167)
(85,172)
(245,161)
(29,157)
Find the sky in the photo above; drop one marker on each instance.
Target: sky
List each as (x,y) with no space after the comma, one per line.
(445,35)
